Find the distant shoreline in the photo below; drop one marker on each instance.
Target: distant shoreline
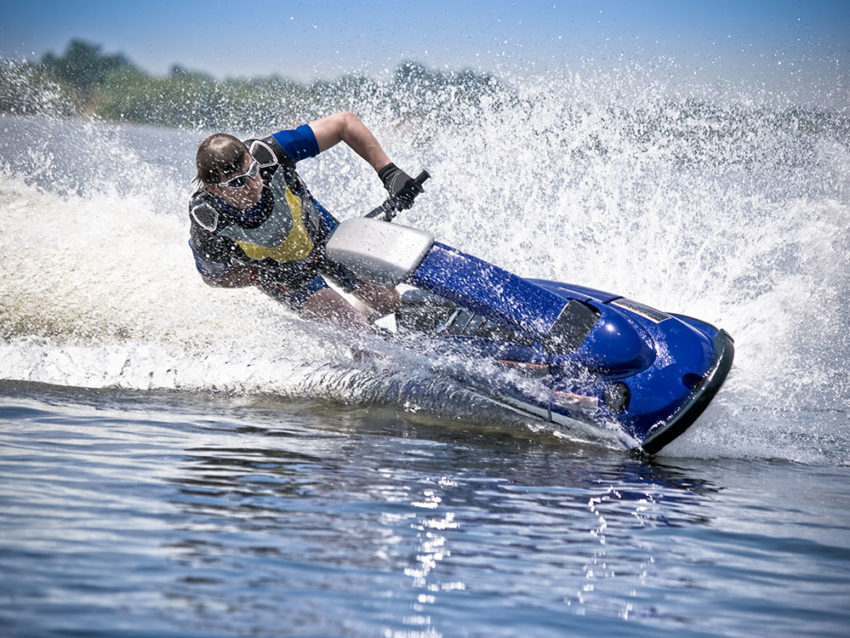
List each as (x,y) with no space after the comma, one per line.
(83,81)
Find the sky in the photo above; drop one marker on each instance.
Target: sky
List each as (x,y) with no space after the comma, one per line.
(766,40)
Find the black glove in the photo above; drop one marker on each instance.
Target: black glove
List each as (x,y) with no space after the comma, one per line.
(400,185)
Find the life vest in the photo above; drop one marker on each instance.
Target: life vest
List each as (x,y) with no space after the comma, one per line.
(287,229)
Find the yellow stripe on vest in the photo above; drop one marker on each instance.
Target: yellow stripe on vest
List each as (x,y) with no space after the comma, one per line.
(297,244)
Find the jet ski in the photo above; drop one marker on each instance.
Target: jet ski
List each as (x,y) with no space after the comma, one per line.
(600,359)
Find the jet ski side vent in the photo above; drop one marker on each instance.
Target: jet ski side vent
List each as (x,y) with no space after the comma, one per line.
(571,327)
(470,324)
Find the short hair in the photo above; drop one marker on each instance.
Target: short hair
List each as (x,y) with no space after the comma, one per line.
(219,155)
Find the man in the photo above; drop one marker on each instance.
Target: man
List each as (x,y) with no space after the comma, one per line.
(253,221)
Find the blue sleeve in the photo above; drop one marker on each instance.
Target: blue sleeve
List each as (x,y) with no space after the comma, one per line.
(299,143)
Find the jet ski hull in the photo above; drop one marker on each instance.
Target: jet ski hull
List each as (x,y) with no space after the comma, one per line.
(597,358)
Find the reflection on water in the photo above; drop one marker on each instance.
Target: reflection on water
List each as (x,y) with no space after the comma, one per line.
(431,521)
(190,515)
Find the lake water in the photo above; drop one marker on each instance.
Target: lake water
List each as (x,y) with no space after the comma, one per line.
(177,460)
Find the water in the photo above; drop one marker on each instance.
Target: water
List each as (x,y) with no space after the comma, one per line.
(162,514)
(181,460)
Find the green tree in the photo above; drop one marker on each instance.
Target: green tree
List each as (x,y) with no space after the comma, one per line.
(83,66)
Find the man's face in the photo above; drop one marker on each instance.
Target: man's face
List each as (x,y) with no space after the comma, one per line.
(246,196)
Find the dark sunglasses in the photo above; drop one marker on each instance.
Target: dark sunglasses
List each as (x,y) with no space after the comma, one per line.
(267,159)
(239,181)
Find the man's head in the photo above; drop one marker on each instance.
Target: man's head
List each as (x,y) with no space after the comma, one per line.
(219,156)
(227,170)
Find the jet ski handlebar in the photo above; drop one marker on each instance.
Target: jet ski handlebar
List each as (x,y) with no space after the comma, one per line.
(391,206)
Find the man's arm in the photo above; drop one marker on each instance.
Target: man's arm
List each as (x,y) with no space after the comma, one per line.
(214,259)
(346,127)
(237,277)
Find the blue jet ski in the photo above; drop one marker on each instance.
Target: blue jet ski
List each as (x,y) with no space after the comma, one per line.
(603,359)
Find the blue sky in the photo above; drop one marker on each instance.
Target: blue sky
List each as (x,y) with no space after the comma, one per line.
(304,40)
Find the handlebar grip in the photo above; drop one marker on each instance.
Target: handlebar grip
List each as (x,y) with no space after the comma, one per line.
(419,179)
(375,212)
(390,206)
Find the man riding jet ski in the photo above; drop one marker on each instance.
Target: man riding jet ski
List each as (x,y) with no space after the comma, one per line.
(253,222)
(602,359)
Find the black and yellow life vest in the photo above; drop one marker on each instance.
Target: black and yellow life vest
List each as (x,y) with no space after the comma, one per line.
(287,228)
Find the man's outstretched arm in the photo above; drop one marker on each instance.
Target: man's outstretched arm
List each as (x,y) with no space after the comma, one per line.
(346,127)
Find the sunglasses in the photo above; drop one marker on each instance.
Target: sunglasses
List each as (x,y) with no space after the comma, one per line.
(239,181)
(262,157)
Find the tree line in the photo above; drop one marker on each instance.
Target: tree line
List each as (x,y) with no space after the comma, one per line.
(85,81)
